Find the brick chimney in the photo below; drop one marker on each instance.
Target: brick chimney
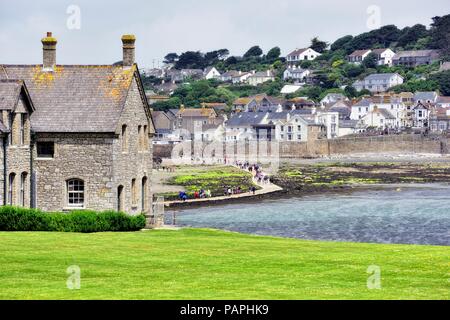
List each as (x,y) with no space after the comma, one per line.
(49,52)
(128,41)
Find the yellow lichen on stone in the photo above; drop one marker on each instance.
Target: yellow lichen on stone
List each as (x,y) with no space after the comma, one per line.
(46,78)
(118,82)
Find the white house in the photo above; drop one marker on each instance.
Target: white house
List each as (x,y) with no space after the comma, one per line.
(211,73)
(357,56)
(332,98)
(393,104)
(379,82)
(240,77)
(378,118)
(297,74)
(384,56)
(299,55)
(260,77)
(234,76)
(331,122)
(421,115)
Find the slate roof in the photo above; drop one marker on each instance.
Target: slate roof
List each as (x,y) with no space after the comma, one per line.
(297,52)
(9,93)
(358,53)
(415,53)
(245,119)
(381,76)
(425,96)
(75,98)
(10,90)
(197,112)
(379,51)
(365,102)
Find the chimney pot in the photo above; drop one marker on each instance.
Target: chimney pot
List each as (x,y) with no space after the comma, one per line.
(128,47)
(49,52)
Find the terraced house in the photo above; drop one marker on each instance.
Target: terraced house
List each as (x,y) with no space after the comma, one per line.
(75,136)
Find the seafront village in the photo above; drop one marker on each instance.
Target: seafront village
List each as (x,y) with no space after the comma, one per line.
(101,163)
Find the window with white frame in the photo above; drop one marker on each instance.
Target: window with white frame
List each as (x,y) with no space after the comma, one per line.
(75,193)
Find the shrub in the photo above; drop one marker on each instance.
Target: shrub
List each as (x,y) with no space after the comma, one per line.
(22,219)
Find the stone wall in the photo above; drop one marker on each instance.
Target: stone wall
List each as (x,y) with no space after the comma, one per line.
(136,162)
(101,162)
(325,147)
(18,157)
(83,156)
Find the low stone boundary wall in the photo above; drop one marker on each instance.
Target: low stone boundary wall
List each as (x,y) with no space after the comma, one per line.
(325,147)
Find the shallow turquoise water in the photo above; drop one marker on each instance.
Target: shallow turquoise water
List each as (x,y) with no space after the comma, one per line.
(416,215)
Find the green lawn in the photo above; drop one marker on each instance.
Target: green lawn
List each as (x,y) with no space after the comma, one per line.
(209,264)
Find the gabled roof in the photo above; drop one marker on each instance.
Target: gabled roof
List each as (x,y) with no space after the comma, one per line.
(364,102)
(358,53)
(10,90)
(296,52)
(197,112)
(76,98)
(380,51)
(425,96)
(263,74)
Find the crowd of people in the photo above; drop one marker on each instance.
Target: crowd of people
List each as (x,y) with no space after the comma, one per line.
(257,174)
(201,194)
(256,171)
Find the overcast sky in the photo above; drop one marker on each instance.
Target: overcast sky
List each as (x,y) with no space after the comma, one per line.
(176,26)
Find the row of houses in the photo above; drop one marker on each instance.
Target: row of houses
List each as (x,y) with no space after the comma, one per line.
(386,56)
(301,119)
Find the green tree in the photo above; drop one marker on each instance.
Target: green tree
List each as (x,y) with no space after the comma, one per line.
(171,57)
(190,60)
(254,51)
(318,45)
(370,61)
(443,81)
(273,54)
(440,34)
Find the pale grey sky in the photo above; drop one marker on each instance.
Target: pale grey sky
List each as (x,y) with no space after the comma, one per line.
(181,25)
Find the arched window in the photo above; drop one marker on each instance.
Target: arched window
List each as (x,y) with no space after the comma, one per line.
(120,199)
(11,188)
(23,187)
(144,194)
(124,138)
(75,193)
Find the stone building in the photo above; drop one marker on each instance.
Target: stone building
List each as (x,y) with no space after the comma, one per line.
(75,136)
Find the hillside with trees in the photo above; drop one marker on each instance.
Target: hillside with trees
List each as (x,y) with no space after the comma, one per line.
(332,71)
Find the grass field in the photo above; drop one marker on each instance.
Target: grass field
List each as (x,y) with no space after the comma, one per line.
(209,264)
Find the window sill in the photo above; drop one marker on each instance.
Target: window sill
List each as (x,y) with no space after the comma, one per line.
(41,158)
